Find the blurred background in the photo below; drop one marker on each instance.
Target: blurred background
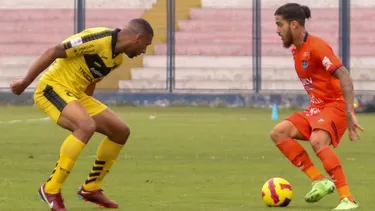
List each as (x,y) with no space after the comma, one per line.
(205,52)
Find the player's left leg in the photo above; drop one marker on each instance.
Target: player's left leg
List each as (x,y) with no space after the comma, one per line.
(117,133)
(285,134)
(328,128)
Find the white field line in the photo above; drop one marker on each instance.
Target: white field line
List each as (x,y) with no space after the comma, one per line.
(15,121)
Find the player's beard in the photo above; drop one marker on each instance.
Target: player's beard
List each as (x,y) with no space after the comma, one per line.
(131,55)
(288,39)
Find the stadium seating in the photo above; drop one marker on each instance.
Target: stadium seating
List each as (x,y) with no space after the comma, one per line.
(214,48)
(27,29)
(213,43)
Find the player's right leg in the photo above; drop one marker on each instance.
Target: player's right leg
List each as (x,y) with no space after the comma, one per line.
(328,127)
(67,111)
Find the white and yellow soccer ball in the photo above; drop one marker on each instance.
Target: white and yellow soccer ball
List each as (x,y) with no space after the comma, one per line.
(277,192)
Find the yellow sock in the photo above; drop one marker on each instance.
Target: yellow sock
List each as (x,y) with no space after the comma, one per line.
(69,152)
(105,158)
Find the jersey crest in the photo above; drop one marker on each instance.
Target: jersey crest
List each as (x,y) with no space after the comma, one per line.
(305,64)
(305,60)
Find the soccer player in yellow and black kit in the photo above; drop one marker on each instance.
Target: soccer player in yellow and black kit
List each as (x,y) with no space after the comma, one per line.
(64,93)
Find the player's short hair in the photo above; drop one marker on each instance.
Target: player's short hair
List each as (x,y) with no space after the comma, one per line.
(294,11)
(141,26)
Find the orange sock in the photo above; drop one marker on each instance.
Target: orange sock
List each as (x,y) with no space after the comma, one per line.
(332,165)
(299,157)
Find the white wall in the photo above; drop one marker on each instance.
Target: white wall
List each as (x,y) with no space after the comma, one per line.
(70,3)
(277,3)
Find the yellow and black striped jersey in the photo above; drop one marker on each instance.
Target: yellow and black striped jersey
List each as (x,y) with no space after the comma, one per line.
(90,57)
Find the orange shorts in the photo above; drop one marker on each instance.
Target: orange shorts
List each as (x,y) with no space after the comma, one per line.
(330,119)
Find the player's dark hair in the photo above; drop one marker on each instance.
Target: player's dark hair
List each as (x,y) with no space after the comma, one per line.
(142,26)
(294,11)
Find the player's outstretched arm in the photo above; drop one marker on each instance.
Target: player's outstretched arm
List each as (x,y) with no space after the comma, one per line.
(42,63)
(348,91)
(45,60)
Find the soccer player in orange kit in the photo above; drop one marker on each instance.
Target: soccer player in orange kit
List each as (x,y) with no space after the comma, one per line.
(331,112)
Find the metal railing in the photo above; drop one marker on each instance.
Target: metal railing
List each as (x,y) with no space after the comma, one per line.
(344,39)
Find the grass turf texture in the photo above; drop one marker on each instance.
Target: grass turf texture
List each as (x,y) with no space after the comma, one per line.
(185,159)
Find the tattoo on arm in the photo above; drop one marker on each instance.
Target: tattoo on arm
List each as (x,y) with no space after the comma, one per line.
(346,86)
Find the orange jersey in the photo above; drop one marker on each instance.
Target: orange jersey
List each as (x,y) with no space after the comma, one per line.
(315,62)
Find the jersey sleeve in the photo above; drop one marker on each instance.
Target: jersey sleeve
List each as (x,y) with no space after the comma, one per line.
(325,55)
(79,46)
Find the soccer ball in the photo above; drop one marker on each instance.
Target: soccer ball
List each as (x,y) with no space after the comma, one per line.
(277,192)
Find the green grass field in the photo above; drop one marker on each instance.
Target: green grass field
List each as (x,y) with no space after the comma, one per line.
(186,159)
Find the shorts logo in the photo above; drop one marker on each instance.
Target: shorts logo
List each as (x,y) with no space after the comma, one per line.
(305,64)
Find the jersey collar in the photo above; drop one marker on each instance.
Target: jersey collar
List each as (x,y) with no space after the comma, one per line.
(305,37)
(114,41)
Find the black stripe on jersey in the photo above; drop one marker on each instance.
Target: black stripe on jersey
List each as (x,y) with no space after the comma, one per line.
(96,65)
(67,45)
(54,98)
(114,41)
(333,125)
(96,36)
(91,37)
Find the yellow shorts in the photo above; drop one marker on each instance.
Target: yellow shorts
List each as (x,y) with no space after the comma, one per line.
(52,98)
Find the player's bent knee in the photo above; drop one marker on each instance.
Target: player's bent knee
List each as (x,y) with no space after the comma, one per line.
(280,132)
(125,133)
(275,134)
(85,129)
(119,134)
(320,139)
(87,126)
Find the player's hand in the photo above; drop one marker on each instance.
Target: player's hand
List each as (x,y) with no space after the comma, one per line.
(353,127)
(18,86)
